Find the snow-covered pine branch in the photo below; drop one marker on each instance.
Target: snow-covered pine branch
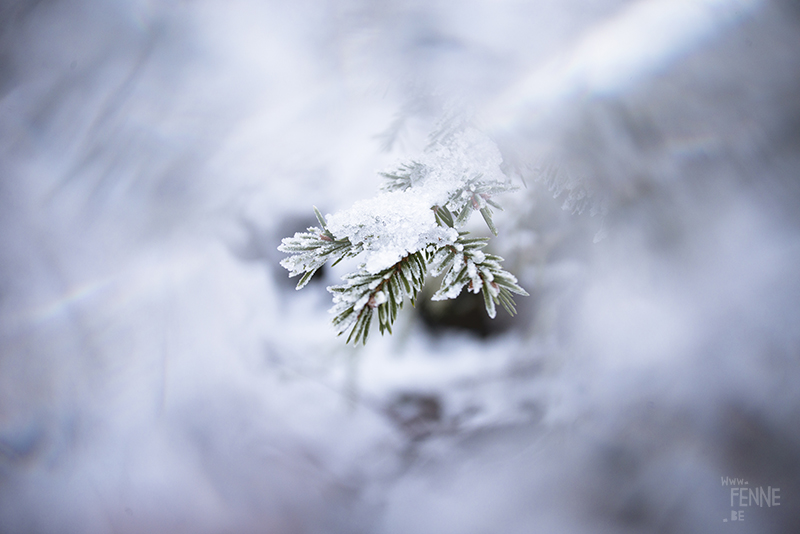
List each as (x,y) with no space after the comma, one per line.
(413,222)
(313,249)
(355,302)
(464,263)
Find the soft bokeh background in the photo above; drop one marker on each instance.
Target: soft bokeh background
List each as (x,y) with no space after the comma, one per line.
(158,372)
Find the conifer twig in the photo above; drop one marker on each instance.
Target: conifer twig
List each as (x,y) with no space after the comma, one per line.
(402,241)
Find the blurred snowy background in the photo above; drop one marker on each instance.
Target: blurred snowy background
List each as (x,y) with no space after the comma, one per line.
(158,372)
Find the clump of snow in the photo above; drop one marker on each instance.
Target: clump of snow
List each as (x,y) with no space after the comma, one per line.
(395,224)
(391,226)
(379,298)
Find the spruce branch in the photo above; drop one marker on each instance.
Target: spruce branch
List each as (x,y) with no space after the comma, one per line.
(459,174)
(465,264)
(406,175)
(312,249)
(355,302)
(476,195)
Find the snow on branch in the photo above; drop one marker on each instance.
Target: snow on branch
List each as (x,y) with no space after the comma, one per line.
(409,229)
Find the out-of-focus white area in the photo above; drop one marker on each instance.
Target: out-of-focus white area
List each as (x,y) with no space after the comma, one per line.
(158,373)
(643,38)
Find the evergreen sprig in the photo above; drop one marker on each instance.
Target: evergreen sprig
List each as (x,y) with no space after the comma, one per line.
(312,249)
(464,263)
(461,260)
(406,175)
(476,195)
(356,301)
